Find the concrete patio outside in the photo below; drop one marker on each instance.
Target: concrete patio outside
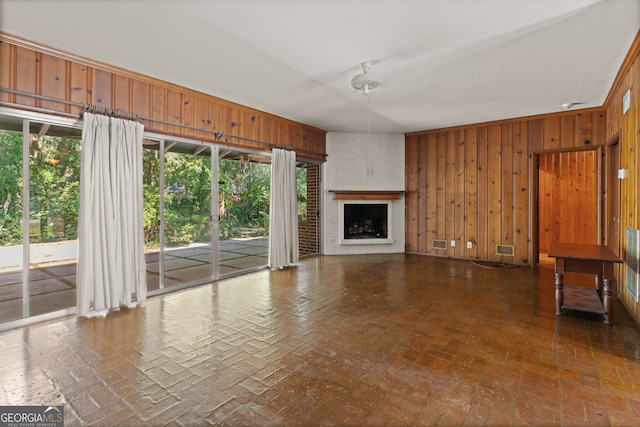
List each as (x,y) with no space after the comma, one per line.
(52,284)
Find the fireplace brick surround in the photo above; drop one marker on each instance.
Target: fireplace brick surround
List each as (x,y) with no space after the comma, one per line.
(361,164)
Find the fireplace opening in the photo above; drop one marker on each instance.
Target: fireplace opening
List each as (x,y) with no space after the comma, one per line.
(365,221)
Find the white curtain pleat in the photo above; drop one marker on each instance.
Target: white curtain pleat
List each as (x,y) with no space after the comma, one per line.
(283,216)
(111,264)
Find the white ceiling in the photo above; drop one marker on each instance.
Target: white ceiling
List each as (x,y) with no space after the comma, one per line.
(441,62)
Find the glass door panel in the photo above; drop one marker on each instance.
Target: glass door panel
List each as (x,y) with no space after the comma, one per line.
(54,197)
(244,185)
(11,250)
(151,215)
(187,214)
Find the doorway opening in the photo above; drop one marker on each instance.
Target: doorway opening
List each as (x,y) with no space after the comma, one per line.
(568,189)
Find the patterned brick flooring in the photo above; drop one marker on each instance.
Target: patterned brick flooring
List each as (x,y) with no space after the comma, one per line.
(340,340)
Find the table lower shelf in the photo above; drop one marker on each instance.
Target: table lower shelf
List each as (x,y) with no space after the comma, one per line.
(582,299)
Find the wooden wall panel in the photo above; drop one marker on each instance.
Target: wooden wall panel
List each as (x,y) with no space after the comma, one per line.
(495,213)
(483,198)
(430,195)
(411,161)
(54,82)
(141,99)
(521,194)
(79,78)
(552,134)
(122,93)
(584,130)
(563,202)
(7,76)
(41,70)
(471,200)
(534,135)
(102,88)
(270,130)
(545,202)
(238,126)
(441,185)
(568,128)
(421,197)
(174,109)
(507,191)
(450,191)
(458,198)
(627,126)
(189,114)
(591,228)
(485,171)
(158,109)
(26,76)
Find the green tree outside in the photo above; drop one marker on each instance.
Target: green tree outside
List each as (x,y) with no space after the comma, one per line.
(54,167)
(243,206)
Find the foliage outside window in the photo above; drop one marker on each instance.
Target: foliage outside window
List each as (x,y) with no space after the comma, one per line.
(10,188)
(54,164)
(187,203)
(301,184)
(55,167)
(244,199)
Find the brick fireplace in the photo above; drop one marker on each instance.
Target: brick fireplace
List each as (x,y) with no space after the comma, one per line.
(363,197)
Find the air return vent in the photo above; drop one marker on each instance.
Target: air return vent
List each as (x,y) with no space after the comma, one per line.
(631,281)
(439,244)
(506,250)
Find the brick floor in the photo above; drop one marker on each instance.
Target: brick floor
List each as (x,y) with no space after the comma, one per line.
(339,340)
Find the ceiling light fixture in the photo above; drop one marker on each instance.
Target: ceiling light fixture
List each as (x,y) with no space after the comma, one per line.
(569,105)
(365,81)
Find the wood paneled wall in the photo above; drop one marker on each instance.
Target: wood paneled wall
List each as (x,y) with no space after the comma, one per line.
(41,70)
(477,183)
(626,126)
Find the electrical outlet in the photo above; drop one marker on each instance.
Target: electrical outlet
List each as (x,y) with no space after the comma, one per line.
(453,243)
(469,245)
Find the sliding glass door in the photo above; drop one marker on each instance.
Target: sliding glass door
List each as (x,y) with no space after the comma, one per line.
(244,182)
(178,225)
(11,239)
(187,214)
(206,213)
(39,198)
(54,197)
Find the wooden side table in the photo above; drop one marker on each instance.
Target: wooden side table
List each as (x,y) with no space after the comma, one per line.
(591,259)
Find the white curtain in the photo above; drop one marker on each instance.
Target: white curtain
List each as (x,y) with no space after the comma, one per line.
(111,263)
(283,216)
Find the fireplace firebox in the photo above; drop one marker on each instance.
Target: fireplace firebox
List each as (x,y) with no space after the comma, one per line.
(365,222)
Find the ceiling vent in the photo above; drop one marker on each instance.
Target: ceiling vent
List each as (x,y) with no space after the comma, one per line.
(365,81)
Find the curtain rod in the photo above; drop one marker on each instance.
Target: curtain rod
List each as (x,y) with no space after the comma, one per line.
(98,109)
(105,111)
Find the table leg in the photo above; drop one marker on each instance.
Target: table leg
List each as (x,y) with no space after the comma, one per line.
(559,293)
(609,299)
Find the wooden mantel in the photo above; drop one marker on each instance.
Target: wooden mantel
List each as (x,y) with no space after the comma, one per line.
(366,195)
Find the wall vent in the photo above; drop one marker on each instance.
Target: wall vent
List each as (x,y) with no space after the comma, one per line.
(439,244)
(632,270)
(506,250)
